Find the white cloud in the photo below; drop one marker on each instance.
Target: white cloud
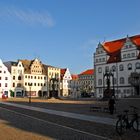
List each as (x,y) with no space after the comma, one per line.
(29,16)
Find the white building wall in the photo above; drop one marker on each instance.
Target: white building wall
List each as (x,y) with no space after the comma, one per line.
(5,80)
(128,56)
(38,83)
(66,83)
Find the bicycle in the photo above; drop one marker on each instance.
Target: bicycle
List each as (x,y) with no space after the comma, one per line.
(123,123)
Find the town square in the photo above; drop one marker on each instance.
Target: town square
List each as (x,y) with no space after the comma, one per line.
(69,70)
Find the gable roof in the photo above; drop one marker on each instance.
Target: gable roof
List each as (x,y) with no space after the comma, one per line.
(116,45)
(88,72)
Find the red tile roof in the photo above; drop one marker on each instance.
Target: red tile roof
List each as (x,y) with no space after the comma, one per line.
(63,71)
(116,45)
(88,72)
(74,77)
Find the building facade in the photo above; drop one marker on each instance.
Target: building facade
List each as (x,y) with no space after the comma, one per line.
(28,77)
(53,74)
(86,82)
(114,63)
(5,80)
(74,86)
(65,82)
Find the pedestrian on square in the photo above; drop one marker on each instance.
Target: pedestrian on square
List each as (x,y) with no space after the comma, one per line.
(111,105)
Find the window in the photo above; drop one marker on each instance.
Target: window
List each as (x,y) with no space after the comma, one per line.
(121,67)
(113,68)
(100,82)
(0,78)
(6,78)
(13,77)
(19,77)
(6,85)
(19,85)
(99,70)
(0,84)
(121,80)
(129,66)
(128,55)
(124,56)
(137,65)
(133,54)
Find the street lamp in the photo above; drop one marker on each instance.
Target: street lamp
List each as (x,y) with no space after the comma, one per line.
(30,84)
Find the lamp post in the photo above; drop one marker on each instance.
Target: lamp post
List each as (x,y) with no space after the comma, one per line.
(30,84)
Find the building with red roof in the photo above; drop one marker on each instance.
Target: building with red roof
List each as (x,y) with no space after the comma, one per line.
(86,81)
(118,58)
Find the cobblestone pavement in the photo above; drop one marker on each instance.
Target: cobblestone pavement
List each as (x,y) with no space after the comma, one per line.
(83,107)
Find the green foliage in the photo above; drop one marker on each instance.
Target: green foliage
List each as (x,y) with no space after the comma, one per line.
(12,93)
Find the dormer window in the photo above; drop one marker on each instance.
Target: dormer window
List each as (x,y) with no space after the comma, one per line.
(128,55)
(124,56)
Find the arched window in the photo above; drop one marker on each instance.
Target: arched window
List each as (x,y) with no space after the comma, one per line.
(137,65)
(129,66)
(121,67)
(121,80)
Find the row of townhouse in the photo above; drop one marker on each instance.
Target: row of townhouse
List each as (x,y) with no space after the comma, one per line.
(32,78)
(117,67)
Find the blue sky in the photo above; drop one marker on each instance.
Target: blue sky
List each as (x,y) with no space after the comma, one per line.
(64,33)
